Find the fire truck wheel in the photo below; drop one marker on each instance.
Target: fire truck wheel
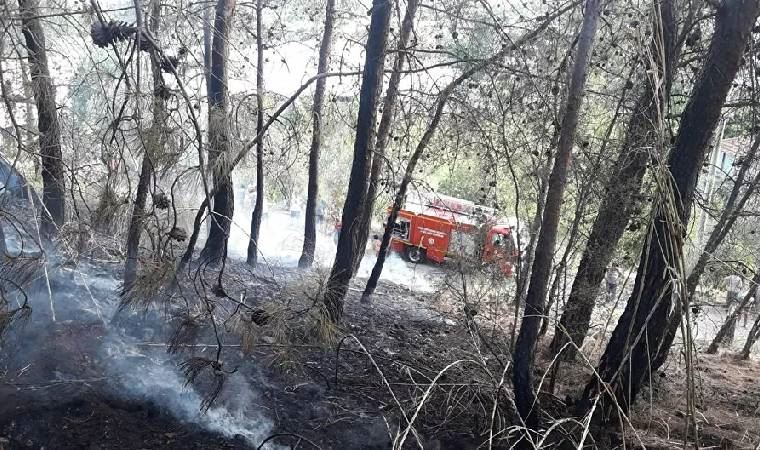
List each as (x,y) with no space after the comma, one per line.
(415,255)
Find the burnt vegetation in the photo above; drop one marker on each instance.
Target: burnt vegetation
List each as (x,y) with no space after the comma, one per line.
(380,225)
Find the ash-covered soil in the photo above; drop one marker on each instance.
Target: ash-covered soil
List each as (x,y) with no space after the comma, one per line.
(89,380)
(95,420)
(78,375)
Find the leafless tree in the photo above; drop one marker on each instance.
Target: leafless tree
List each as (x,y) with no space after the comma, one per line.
(153,145)
(220,148)
(525,399)
(53,189)
(312,196)
(258,209)
(350,239)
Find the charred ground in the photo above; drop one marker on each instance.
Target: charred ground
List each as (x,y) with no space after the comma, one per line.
(385,366)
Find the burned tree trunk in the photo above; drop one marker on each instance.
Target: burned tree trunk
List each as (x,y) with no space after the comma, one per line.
(581,205)
(542,263)
(384,129)
(218,136)
(626,359)
(561,269)
(349,239)
(29,128)
(137,220)
(312,195)
(752,336)
(153,145)
(622,189)
(553,292)
(258,207)
(53,189)
(542,185)
(207,49)
(530,249)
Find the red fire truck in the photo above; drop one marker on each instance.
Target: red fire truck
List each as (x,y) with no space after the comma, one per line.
(437,227)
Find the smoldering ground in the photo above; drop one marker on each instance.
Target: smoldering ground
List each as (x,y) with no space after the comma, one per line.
(78,357)
(74,347)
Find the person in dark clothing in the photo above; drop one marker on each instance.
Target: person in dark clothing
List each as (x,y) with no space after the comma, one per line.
(612,277)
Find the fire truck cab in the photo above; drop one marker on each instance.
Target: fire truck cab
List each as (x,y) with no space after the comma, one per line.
(438,227)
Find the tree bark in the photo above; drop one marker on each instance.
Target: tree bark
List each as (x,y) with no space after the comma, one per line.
(53,189)
(29,127)
(583,200)
(153,145)
(219,142)
(542,187)
(349,240)
(570,248)
(525,398)
(530,250)
(384,129)
(752,336)
(258,208)
(312,195)
(622,189)
(626,362)
(207,49)
(136,222)
(559,269)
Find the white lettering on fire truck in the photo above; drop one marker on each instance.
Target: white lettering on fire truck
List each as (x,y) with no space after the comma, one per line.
(433,232)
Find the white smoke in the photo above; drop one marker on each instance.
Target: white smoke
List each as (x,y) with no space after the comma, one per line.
(416,277)
(150,376)
(87,293)
(281,242)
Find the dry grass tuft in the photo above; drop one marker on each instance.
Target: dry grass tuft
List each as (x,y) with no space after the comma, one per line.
(13,317)
(76,240)
(297,321)
(16,274)
(321,327)
(150,286)
(111,213)
(194,367)
(185,333)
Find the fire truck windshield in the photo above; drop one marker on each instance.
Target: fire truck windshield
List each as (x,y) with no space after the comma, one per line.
(503,242)
(401,229)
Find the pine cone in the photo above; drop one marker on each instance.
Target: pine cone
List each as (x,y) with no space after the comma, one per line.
(219,291)
(260,317)
(146,42)
(169,64)
(160,201)
(163,92)
(105,34)
(178,234)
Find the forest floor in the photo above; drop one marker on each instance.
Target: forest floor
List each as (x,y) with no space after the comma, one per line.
(87,381)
